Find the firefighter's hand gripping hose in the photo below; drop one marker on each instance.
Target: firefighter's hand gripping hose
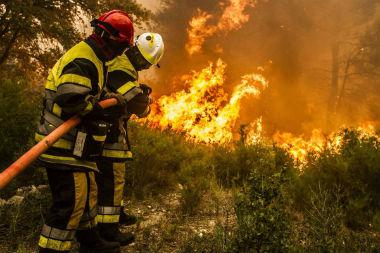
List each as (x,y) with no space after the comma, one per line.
(24,161)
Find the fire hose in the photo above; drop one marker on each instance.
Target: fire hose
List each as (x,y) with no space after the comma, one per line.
(30,156)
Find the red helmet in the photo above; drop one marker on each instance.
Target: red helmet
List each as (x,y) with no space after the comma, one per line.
(118,24)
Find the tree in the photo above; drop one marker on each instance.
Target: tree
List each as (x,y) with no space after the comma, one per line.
(34,33)
(341,25)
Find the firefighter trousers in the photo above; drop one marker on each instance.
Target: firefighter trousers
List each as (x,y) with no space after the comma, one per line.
(74,204)
(110,181)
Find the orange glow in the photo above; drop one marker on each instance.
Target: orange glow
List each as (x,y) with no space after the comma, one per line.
(233,18)
(204,112)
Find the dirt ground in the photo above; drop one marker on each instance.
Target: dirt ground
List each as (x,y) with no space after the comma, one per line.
(163,227)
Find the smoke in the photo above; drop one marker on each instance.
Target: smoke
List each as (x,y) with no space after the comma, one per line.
(292,40)
(233,18)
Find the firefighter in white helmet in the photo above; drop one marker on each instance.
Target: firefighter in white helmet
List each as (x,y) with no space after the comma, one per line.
(135,99)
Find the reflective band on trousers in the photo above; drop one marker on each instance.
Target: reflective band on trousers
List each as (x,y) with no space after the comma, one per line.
(58,234)
(107,218)
(48,243)
(109,210)
(116,153)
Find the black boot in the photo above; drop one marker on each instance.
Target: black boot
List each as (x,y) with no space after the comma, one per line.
(111,232)
(91,242)
(127,219)
(43,250)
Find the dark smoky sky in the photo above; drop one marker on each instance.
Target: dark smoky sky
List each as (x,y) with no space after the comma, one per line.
(292,40)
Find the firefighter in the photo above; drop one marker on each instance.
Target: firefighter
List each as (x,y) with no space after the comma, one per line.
(74,87)
(134,99)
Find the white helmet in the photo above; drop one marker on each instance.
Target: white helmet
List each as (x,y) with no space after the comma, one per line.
(151,46)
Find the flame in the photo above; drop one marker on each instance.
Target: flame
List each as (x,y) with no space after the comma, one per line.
(204,112)
(255,132)
(299,147)
(233,18)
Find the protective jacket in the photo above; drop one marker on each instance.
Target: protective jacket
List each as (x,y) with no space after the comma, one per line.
(122,79)
(79,74)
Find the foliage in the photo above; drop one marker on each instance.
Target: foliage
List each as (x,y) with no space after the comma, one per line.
(35,32)
(195,178)
(262,221)
(19,112)
(21,217)
(158,158)
(355,170)
(338,195)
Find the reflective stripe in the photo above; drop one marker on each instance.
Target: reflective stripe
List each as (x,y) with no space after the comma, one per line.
(105,218)
(49,85)
(48,243)
(61,143)
(73,88)
(109,210)
(132,93)
(57,110)
(99,138)
(68,161)
(56,122)
(122,63)
(74,79)
(126,87)
(58,234)
(88,108)
(116,153)
(80,51)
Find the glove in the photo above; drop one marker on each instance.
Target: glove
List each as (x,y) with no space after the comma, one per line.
(120,98)
(146,89)
(138,104)
(89,103)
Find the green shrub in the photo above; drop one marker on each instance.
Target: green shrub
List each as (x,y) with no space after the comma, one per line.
(195,177)
(355,169)
(263,224)
(19,112)
(158,157)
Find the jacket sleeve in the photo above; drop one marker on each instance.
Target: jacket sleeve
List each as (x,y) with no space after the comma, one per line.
(78,80)
(137,101)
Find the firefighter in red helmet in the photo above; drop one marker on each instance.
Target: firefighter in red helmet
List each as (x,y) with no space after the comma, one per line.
(73,87)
